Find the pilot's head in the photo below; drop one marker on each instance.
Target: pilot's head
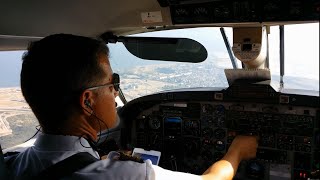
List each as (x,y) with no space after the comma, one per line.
(69,84)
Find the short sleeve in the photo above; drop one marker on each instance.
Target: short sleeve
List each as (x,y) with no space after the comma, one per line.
(163,174)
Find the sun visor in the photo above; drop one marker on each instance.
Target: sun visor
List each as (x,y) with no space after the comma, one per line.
(162,49)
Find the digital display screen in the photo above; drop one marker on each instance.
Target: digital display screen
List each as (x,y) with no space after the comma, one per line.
(173,120)
(152,158)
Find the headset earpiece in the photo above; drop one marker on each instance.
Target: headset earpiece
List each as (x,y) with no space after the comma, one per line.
(87,103)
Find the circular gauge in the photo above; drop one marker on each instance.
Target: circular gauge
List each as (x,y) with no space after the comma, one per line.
(219,145)
(207,108)
(154,123)
(219,133)
(207,119)
(219,109)
(207,132)
(219,121)
(255,170)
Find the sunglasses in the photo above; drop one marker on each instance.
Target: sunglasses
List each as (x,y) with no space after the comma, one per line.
(115,83)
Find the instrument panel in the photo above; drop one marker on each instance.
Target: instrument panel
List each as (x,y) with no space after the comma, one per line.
(193,134)
(235,11)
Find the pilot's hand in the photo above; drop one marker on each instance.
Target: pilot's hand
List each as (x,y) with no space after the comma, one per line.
(244,146)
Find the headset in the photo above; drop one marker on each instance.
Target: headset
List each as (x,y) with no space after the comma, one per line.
(94,145)
(87,103)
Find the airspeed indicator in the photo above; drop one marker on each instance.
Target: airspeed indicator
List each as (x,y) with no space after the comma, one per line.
(154,123)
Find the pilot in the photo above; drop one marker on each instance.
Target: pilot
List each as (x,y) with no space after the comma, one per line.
(68,82)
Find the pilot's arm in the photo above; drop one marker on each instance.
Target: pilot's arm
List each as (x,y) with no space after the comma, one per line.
(242,148)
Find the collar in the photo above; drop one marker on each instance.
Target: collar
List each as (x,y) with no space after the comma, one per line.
(50,142)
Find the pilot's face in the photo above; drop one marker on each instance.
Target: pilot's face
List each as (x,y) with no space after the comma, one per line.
(105,108)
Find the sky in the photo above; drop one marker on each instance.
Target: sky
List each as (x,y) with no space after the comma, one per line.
(10,67)
(301,51)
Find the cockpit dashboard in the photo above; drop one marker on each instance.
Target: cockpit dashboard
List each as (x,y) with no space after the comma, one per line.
(193,128)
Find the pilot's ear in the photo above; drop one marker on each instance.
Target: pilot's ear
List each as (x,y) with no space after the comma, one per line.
(86,102)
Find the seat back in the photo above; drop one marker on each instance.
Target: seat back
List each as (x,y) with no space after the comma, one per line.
(4,172)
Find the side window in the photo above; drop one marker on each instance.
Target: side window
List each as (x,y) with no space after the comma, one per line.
(301,48)
(17,122)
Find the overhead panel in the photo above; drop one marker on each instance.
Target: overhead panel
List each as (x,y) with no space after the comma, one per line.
(238,11)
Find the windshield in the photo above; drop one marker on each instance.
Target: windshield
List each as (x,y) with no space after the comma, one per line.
(141,77)
(301,56)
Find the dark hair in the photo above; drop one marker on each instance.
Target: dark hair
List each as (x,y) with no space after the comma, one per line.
(54,71)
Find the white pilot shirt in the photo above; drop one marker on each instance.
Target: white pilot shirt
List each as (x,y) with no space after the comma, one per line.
(50,149)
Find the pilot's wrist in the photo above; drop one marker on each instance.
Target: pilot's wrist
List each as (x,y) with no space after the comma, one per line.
(234,155)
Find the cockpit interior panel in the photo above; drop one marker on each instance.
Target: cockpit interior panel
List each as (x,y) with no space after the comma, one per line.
(193,129)
(231,11)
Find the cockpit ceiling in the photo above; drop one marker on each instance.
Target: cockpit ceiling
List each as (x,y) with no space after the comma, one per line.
(82,17)
(33,18)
